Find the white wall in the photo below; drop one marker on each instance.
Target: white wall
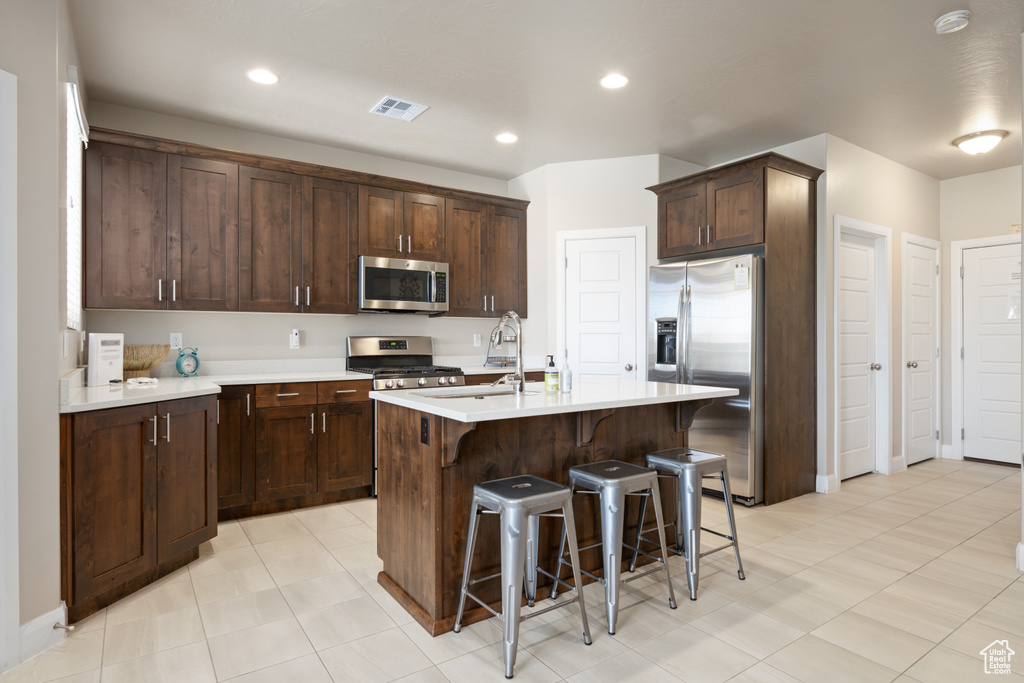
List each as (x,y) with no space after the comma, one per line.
(868,187)
(973,206)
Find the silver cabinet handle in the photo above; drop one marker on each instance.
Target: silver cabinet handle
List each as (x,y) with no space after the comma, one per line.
(160,290)
(167,436)
(324,416)
(312,423)
(876,366)
(492,303)
(218,411)
(154,429)
(629,367)
(287,395)
(485,302)
(912,364)
(307,295)
(247,405)
(399,244)
(408,244)
(174,290)
(346,391)
(296,296)
(709,234)
(700,236)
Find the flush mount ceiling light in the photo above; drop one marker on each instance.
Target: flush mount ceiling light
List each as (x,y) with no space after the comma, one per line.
(262,76)
(979,143)
(612,81)
(952,22)
(507,138)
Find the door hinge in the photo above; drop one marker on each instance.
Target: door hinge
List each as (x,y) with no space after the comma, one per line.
(567,263)
(936,268)
(936,434)
(961,352)
(936,352)
(961,434)
(961,271)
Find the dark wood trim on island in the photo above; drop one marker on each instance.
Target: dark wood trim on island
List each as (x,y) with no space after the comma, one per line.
(428,465)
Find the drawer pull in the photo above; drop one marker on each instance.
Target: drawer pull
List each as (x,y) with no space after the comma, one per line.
(287,395)
(312,423)
(154,429)
(346,391)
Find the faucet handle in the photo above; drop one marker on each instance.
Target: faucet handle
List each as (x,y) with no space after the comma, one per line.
(504,379)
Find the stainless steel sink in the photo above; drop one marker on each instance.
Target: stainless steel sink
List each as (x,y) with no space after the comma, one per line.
(469,392)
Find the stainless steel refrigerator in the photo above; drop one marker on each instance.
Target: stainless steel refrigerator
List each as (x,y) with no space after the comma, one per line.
(705,327)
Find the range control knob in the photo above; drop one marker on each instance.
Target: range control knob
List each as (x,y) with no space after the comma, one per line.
(442,380)
(451,380)
(401,383)
(421,382)
(389,384)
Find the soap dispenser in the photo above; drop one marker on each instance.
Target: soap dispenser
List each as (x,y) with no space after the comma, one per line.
(565,377)
(551,375)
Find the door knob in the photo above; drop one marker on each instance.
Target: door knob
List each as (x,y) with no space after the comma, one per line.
(629,367)
(876,366)
(911,363)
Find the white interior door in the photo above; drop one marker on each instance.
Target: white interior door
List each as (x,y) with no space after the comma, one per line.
(600,306)
(992,353)
(857,363)
(921,329)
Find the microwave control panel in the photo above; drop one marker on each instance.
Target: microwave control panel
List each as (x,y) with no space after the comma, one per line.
(440,288)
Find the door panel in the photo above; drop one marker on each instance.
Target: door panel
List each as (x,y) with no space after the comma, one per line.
(380,221)
(236,444)
(285,452)
(329,240)
(856,354)
(600,307)
(736,209)
(424,227)
(466,224)
(920,312)
(345,448)
(992,353)
(506,258)
(684,215)
(270,260)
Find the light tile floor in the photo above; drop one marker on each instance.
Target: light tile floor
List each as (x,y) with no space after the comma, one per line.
(904,578)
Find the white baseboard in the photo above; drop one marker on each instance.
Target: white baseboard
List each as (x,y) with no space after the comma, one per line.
(39,634)
(1020,556)
(897,464)
(947,453)
(826,483)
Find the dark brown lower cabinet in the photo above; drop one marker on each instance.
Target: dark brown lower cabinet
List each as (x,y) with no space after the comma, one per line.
(236,444)
(285,452)
(138,496)
(346,438)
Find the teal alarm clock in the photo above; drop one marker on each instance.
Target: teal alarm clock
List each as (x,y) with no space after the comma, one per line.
(188,362)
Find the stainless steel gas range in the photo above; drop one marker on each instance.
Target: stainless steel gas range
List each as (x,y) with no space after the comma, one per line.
(398,363)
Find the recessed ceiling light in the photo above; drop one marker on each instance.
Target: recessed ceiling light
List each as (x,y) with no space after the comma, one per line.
(952,21)
(614,81)
(981,142)
(507,138)
(262,76)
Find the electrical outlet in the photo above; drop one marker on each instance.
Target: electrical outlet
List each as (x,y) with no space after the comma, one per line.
(476,339)
(293,340)
(425,430)
(176,342)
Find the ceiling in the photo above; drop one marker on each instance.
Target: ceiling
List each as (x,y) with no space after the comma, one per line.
(711,80)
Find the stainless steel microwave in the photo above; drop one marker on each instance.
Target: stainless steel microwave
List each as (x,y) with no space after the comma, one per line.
(402,285)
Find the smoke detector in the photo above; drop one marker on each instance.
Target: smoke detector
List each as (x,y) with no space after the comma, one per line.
(394,108)
(953,21)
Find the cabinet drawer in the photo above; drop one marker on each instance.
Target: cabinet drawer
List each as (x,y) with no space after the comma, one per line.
(343,391)
(286,394)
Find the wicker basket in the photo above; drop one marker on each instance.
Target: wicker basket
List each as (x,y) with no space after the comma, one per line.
(139,359)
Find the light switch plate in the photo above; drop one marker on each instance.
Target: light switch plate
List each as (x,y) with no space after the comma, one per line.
(477,339)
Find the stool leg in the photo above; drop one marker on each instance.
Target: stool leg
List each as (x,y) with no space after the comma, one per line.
(532,536)
(732,521)
(467,563)
(569,531)
(513,549)
(656,495)
(612,510)
(561,545)
(639,533)
(690,493)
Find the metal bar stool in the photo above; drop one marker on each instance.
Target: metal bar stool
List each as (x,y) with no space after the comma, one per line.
(521,502)
(689,466)
(613,480)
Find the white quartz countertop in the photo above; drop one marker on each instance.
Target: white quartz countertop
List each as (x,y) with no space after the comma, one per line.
(585,395)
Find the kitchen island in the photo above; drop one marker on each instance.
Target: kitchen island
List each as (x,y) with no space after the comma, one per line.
(433,445)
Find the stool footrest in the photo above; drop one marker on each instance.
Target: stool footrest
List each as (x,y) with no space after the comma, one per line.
(721,547)
(482,604)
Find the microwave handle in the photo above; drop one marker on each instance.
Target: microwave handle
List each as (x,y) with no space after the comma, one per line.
(431,287)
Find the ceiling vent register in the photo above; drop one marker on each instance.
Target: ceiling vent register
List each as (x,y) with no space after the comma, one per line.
(394,108)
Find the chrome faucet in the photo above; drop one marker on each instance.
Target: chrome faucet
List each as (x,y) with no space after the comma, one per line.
(516,379)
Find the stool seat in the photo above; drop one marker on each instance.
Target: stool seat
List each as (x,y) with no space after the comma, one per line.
(675,460)
(607,473)
(521,491)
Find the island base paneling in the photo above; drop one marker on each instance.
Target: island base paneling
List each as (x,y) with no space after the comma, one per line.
(425,490)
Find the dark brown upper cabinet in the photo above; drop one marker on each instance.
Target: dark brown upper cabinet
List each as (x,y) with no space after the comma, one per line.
(269,241)
(486,259)
(330,213)
(395,224)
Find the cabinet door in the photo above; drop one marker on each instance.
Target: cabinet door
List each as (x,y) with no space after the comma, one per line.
(424,228)
(380,221)
(113,498)
(186,475)
(345,446)
(125,228)
(236,445)
(269,222)
(682,221)
(466,223)
(285,452)
(506,261)
(202,234)
(329,243)
(736,209)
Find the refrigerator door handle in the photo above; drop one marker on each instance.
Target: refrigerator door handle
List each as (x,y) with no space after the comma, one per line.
(683,335)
